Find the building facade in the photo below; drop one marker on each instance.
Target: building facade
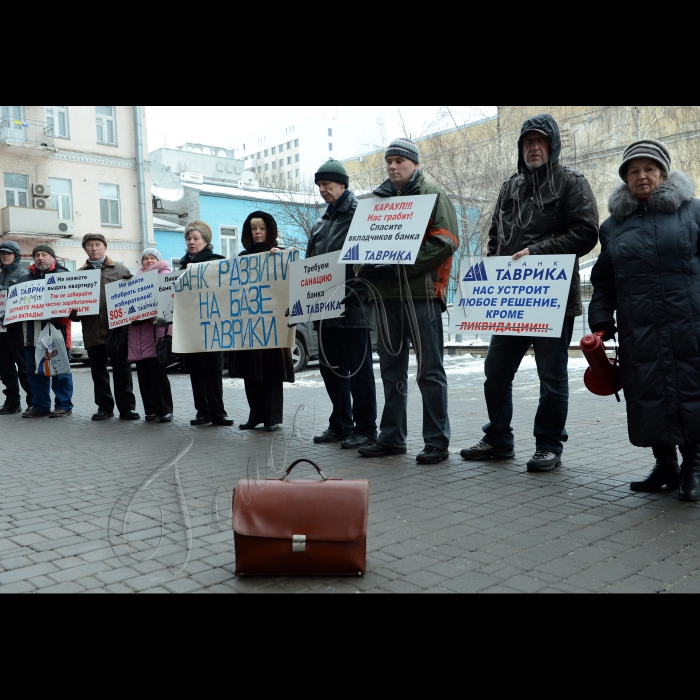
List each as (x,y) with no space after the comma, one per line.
(68,171)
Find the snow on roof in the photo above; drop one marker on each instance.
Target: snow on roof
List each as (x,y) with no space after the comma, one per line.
(164,225)
(262,195)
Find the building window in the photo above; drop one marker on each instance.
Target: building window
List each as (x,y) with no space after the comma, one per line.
(281,162)
(330,132)
(57,122)
(274,164)
(229,241)
(267,167)
(289,175)
(289,160)
(289,145)
(274,150)
(267,180)
(258,155)
(16,190)
(281,147)
(296,158)
(61,198)
(296,143)
(330,146)
(106,126)
(109,205)
(266,153)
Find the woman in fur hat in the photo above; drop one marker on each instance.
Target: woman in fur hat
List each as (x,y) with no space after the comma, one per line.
(205,368)
(649,273)
(153,379)
(262,370)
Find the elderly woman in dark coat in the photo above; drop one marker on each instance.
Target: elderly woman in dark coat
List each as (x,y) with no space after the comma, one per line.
(205,368)
(262,370)
(649,273)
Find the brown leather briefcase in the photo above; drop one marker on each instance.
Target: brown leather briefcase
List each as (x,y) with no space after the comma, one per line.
(301,527)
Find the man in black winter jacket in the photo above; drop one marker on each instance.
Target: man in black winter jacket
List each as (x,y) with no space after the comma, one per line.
(345,344)
(12,362)
(62,385)
(544,209)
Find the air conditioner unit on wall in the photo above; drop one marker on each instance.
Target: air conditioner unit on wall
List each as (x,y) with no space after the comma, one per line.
(41,190)
(41,203)
(66,229)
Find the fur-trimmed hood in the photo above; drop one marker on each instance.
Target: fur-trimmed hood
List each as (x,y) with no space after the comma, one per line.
(676,189)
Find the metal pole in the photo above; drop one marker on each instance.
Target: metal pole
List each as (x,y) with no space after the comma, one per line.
(140,177)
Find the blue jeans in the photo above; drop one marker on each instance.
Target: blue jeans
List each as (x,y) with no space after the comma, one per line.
(431,379)
(502,361)
(41,396)
(349,351)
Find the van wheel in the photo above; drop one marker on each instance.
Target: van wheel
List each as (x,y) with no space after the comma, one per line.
(299,356)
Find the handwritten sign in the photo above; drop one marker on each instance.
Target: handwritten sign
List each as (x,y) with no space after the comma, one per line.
(166,295)
(236,304)
(503,296)
(132,300)
(313,288)
(3,301)
(72,290)
(25,302)
(387,231)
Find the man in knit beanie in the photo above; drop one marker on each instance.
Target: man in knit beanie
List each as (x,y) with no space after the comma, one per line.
(346,359)
(414,297)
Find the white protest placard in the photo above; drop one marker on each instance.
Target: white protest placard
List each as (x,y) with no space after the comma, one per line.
(25,302)
(166,295)
(66,291)
(316,287)
(236,304)
(387,230)
(503,296)
(132,300)
(3,301)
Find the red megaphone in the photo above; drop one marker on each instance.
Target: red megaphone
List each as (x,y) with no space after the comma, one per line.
(603,374)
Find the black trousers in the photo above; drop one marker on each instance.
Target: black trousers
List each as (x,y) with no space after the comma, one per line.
(13,365)
(123,385)
(266,401)
(155,389)
(208,392)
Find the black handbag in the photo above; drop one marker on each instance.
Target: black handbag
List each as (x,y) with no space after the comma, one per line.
(118,343)
(164,347)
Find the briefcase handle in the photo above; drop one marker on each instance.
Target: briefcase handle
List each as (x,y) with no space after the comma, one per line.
(303,459)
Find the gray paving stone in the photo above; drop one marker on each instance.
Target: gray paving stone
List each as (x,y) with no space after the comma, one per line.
(67,587)
(26,572)
(471,582)
(17,587)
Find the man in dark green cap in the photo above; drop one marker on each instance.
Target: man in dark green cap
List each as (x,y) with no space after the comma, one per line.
(346,348)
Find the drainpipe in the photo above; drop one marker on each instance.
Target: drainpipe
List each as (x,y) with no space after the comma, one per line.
(140,177)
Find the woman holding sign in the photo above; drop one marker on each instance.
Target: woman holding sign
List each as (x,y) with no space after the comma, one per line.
(263,371)
(648,273)
(143,335)
(205,368)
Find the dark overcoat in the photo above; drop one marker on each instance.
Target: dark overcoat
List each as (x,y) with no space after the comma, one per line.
(648,272)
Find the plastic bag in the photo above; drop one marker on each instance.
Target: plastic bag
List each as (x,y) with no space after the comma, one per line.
(50,352)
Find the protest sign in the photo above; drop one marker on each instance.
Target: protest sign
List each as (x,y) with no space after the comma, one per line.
(236,304)
(513,297)
(3,300)
(132,300)
(25,302)
(313,288)
(166,295)
(388,230)
(66,291)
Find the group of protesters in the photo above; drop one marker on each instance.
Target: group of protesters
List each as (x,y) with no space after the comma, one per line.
(646,290)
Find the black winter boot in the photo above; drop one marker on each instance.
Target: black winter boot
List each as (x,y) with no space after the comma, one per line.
(665,472)
(690,472)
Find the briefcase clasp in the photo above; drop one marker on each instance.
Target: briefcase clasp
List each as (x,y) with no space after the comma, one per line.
(298,543)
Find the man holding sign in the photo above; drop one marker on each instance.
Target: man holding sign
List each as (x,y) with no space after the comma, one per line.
(414,299)
(544,209)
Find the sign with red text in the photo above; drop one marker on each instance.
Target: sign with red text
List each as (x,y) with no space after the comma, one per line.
(502,296)
(25,302)
(3,301)
(166,295)
(316,287)
(131,300)
(387,231)
(67,291)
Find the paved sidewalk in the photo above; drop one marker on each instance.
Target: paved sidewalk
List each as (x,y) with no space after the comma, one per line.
(456,527)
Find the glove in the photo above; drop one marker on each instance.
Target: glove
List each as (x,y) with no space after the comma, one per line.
(607,333)
(356,294)
(373,273)
(160,322)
